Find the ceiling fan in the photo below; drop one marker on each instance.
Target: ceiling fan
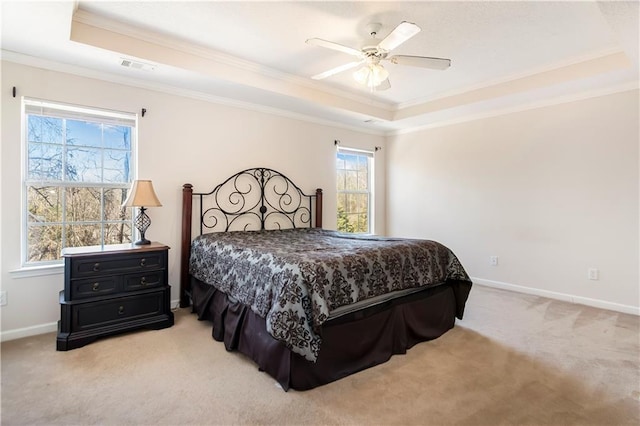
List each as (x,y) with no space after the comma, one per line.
(372,73)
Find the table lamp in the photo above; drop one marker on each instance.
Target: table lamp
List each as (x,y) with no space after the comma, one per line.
(142,195)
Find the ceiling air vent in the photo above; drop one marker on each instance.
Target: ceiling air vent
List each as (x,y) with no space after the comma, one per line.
(130,63)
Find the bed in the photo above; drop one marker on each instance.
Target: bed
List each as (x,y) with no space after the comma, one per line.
(308,305)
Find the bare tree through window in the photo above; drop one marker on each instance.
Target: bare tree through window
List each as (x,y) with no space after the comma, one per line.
(78,171)
(353,177)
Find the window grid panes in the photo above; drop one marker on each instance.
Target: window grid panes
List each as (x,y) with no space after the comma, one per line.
(78,170)
(353,175)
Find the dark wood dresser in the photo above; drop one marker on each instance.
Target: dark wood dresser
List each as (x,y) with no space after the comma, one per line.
(113,289)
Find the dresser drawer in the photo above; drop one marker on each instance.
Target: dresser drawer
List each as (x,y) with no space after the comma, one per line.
(143,280)
(92,287)
(105,265)
(114,311)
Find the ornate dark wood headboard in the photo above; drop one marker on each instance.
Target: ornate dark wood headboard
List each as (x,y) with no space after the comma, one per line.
(253,199)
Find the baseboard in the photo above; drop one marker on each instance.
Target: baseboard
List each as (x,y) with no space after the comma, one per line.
(34,330)
(28,331)
(596,303)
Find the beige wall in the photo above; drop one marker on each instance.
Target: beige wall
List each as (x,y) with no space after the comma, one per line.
(180,140)
(552,191)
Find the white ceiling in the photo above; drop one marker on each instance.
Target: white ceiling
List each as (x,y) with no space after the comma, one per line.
(505,55)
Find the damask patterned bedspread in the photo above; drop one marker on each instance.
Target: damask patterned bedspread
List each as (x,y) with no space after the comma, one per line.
(294,278)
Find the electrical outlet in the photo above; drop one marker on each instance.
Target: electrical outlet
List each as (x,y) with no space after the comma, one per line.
(593,274)
(493,260)
(3,298)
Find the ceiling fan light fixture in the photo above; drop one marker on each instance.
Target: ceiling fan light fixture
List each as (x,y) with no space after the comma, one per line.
(371,75)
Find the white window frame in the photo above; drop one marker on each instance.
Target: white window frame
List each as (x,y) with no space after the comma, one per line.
(66,111)
(371,174)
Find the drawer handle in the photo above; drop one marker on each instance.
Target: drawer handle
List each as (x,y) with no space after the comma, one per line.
(96,267)
(95,286)
(143,281)
(121,310)
(143,261)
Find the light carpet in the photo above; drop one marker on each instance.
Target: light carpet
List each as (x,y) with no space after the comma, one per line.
(514,359)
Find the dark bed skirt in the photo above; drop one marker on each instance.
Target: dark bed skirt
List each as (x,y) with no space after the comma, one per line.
(350,343)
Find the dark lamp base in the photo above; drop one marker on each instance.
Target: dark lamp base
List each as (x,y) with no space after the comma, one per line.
(142,222)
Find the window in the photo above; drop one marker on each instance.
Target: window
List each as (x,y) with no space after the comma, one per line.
(355,190)
(78,167)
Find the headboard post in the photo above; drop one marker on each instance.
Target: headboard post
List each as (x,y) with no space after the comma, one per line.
(319,208)
(185,245)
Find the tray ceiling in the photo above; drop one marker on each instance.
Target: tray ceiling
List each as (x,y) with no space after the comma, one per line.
(505,55)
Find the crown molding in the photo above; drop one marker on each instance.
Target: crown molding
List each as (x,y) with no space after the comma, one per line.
(32,61)
(36,62)
(98,21)
(625,87)
(512,77)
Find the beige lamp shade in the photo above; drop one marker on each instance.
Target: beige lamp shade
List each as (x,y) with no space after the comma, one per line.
(142,195)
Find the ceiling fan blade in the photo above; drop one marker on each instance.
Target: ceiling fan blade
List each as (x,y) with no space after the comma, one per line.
(421,61)
(335,46)
(384,85)
(336,70)
(399,35)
